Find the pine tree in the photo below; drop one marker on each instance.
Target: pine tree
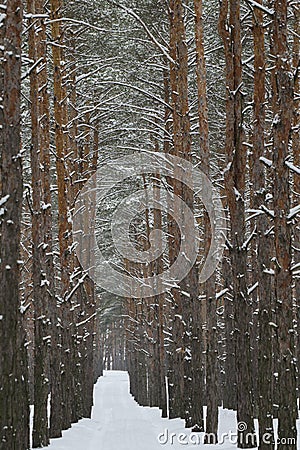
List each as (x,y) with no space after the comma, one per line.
(40,282)
(14,411)
(234,177)
(264,251)
(282,127)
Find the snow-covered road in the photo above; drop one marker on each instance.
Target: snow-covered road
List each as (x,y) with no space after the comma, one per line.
(119,423)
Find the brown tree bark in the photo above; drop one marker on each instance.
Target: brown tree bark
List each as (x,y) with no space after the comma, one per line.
(160,302)
(229,395)
(176,354)
(49,294)
(14,411)
(230,31)
(296,176)
(210,288)
(170,355)
(183,306)
(64,228)
(282,127)
(264,252)
(40,283)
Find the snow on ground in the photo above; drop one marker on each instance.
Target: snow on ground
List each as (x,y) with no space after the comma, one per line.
(119,423)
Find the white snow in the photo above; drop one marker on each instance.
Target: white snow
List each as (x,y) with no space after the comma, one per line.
(238,195)
(269,271)
(4,199)
(119,423)
(45,206)
(294,211)
(276,119)
(266,161)
(252,288)
(292,167)
(221,293)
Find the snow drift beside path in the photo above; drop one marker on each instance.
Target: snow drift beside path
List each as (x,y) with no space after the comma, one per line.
(119,423)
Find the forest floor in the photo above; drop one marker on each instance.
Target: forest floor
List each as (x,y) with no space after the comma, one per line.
(119,423)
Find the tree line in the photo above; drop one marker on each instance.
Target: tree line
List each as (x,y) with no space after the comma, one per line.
(216,85)
(49,345)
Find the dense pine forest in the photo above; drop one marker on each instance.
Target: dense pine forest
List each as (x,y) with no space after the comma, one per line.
(149,210)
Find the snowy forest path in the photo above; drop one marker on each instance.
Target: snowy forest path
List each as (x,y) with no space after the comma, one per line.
(119,423)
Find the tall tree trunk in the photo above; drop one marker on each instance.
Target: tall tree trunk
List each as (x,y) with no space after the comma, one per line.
(210,289)
(40,284)
(49,296)
(282,127)
(176,354)
(64,225)
(296,180)
(230,31)
(265,363)
(14,411)
(170,355)
(229,396)
(183,304)
(160,301)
